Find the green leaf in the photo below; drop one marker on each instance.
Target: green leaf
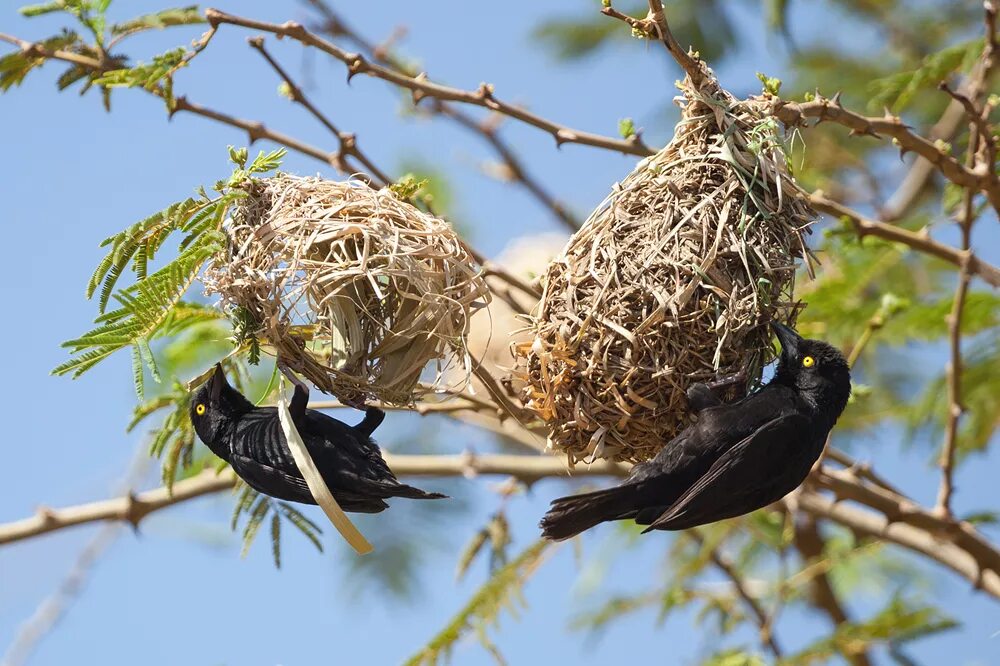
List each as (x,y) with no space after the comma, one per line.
(501,591)
(310,529)
(159,20)
(276,539)
(626,128)
(30,11)
(897,91)
(14,67)
(257,515)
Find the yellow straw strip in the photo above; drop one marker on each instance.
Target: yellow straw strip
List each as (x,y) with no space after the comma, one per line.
(317,486)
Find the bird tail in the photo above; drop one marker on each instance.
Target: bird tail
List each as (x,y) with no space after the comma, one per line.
(571,515)
(410,492)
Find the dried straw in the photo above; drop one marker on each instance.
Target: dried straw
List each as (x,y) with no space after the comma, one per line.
(670,281)
(355,289)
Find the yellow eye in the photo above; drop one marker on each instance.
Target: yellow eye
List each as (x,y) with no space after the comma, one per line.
(200,410)
(808,362)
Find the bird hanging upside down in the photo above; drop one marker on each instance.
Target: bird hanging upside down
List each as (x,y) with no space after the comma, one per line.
(252,441)
(735,458)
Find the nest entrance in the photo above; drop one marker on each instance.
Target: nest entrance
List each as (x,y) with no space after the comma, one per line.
(670,281)
(355,289)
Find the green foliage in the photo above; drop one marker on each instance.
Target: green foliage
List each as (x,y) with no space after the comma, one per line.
(626,128)
(109,70)
(15,66)
(898,623)
(152,306)
(897,91)
(494,537)
(89,13)
(257,507)
(772,86)
(159,20)
(980,396)
(245,328)
(502,590)
(156,76)
(701,22)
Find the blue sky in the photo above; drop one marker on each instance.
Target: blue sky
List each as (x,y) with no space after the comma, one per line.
(178,591)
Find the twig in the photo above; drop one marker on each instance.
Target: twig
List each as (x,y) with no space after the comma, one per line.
(726,566)
(687,63)
(974,88)
(979,132)
(422,87)
(335,26)
(655,25)
(40,51)
(920,242)
(901,510)
(347,140)
(868,523)
(794,114)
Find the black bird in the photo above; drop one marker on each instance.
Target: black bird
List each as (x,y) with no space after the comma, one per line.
(251,440)
(734,458)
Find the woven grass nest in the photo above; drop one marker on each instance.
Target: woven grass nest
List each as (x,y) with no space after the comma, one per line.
(355,289)
(671,280)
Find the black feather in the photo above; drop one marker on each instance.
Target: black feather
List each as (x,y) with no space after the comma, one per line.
(734,459)
(252,441)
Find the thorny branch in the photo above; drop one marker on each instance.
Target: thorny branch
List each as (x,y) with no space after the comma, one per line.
(921,242)
(514,169)
(422,87)
(981,135)
(348,142)
(133,508)
(257,131)
(886,513)
(655,25)
(794,114)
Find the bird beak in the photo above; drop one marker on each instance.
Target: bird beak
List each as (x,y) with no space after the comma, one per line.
(217,383)
(788,338)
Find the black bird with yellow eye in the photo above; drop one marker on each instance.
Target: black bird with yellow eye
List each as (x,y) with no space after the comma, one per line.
(735,458)
(253,442)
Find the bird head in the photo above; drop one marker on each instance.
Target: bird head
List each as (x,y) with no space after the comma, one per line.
(815,368)
(215,406)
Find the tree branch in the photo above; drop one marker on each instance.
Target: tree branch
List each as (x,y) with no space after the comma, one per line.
(421,87)
(920,242)
(980,134)
(347,140)
(133,508)
(794,114)
(335,26)
(871,524)
(655,25)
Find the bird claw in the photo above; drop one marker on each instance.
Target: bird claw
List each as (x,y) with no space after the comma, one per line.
(700,396)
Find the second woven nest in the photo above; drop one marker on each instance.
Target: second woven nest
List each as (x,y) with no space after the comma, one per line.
(671,280)
(355,289)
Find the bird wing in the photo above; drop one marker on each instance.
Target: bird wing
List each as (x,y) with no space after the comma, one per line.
(741,470)
(271,481)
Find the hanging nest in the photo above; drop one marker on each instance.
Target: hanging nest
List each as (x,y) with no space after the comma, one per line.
(671,281)
(355,289)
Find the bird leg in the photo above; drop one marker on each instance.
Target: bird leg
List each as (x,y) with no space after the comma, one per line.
(727,381)
(300,398)
(373,419)
(700,397)
(701,394)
